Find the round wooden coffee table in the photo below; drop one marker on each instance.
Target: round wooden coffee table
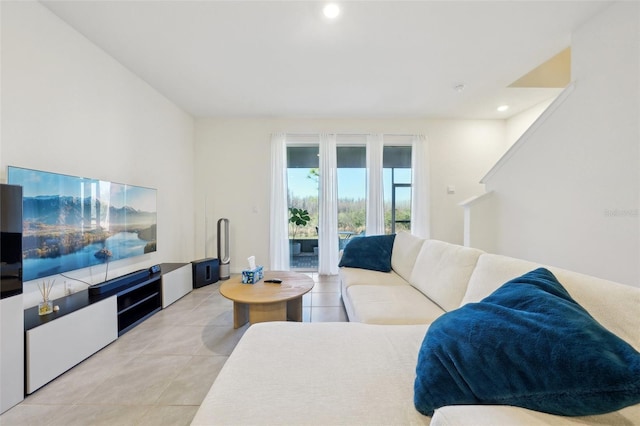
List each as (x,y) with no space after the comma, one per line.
(262,301)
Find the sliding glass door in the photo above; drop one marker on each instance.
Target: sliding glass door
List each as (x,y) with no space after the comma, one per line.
(302,188)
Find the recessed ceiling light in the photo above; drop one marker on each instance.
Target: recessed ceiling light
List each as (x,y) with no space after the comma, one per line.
(502,108)
(331,11)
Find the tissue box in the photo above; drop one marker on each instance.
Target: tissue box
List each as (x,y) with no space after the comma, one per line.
(252,276)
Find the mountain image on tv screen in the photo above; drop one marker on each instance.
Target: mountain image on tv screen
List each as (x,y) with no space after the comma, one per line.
(71,222)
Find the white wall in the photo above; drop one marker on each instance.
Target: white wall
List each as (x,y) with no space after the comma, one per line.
(516,125)
(70,108)
(569,196)
(233,170)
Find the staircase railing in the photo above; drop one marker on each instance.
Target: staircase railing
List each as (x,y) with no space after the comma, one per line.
(479,222)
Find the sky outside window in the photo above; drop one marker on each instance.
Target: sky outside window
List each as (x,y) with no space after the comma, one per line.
(352,182)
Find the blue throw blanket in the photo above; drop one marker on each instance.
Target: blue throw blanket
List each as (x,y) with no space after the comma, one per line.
(528,344)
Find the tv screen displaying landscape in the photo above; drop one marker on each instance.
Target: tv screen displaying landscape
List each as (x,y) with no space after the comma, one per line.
(71,222)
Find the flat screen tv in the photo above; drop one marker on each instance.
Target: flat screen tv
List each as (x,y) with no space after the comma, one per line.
(71,222)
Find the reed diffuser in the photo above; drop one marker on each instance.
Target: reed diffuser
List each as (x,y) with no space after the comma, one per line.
(46,306)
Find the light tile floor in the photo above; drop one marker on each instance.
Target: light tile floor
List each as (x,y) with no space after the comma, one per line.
(159,372)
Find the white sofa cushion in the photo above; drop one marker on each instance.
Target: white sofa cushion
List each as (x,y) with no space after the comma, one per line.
(442,272)
(405,250)
(594,294)
(375,304)
(357,276)
(491,415)
(284,373)
(491,272)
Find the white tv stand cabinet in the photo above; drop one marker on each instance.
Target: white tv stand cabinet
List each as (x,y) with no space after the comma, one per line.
(86,323)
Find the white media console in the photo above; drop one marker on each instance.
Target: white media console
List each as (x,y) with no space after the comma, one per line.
(12,356)
(87,322)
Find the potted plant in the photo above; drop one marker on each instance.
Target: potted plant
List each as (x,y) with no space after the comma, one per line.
(298,217)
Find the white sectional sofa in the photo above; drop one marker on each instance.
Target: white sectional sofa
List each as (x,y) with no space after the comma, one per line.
(363,372)
(427,279)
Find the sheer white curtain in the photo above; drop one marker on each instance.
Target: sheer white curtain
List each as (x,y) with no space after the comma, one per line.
(420,217)
(328,208)
(375,194)
(279,212)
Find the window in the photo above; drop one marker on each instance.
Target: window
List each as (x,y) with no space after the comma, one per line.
(352,192)
(397,188)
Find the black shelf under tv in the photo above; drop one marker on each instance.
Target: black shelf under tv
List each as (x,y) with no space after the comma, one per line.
(137,303)
(139,296)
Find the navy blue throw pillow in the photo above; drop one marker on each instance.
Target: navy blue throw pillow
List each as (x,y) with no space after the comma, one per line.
(528,344)
(372,252)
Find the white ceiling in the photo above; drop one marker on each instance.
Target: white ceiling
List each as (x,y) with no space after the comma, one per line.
(378,59)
